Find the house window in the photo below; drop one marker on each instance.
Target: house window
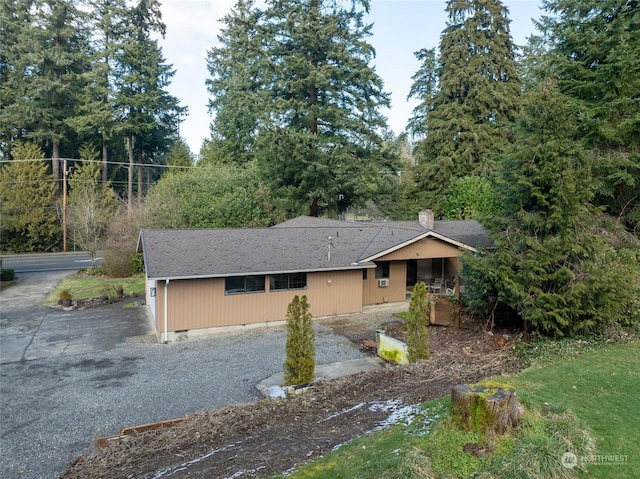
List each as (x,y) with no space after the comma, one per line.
(244,284)
(364,274)
(288,281)
(382,269)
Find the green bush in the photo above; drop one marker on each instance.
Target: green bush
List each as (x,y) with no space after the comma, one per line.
(138,263)
(7,274)
(300,363)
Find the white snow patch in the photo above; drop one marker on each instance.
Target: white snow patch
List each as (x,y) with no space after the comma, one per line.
(277,392)
(398,413)
(357,406)
(243,472)
(180,467)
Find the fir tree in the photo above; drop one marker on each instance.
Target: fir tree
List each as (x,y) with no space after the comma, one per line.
(300,362)
(293,83)
(237,94)
(96,116)
(551,263)
(465,117)
(592,50)
(53,55)
(150,115)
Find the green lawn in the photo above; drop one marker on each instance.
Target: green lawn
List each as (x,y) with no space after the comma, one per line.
(601,387)
(86,287)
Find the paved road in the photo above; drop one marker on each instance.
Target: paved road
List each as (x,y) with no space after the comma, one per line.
(38,262)
(68,376)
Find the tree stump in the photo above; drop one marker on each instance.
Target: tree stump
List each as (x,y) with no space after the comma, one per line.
(486,407)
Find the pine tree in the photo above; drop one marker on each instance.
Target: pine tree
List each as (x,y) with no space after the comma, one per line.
(417,334)
(27,200)
(300,362)
(465,117)
(314,123)
(592,50)
(96,114)
(237,94)
(53,57)
(15,31)
(551,263)
(150,114)
(179,155)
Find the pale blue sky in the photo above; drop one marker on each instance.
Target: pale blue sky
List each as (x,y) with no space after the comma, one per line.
(400,28)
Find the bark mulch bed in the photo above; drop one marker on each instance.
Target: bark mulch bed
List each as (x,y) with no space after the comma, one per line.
(272,436)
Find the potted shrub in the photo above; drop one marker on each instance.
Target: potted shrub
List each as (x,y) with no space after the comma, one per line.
(65,298)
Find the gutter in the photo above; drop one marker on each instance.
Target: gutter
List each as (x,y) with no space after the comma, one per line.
(351,267)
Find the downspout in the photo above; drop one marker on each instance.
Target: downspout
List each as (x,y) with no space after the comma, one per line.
(166,311)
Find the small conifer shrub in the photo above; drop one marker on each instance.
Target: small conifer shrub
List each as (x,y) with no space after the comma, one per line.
(417,345)
(300,362)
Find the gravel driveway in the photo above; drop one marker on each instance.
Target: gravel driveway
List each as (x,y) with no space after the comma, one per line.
(53,407)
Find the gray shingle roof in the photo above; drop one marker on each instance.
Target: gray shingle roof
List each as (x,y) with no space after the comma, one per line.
(301,244)
(468,232)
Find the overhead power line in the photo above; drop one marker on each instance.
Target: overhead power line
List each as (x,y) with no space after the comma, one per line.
(121,163)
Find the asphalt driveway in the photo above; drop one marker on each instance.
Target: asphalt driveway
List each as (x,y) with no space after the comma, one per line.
(30,331)
(68,376)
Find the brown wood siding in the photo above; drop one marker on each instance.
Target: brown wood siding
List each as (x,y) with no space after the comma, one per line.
(425,248)
(396,291)
(202,303)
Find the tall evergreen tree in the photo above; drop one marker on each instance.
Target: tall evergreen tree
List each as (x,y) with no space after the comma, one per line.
(53,74)
(552,265)
(96,116)
(149,114)
(465,116)
(15,32)
(593,47)
(315,124)
(235,86)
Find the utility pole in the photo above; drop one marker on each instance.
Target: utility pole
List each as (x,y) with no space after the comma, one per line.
(64,205)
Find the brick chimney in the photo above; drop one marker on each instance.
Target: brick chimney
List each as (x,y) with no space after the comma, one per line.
(425,218)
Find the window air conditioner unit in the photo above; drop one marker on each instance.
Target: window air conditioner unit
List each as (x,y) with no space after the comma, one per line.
(383,283)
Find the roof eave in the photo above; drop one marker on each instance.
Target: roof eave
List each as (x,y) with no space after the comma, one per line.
(353,266)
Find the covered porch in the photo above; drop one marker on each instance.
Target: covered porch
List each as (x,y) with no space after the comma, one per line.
(439,274)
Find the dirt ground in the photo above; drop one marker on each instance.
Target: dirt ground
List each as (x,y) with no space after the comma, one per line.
(272,436)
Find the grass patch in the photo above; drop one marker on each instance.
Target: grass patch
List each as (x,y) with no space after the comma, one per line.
(586,405)
(602,388)
(544,351)
(82,286)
